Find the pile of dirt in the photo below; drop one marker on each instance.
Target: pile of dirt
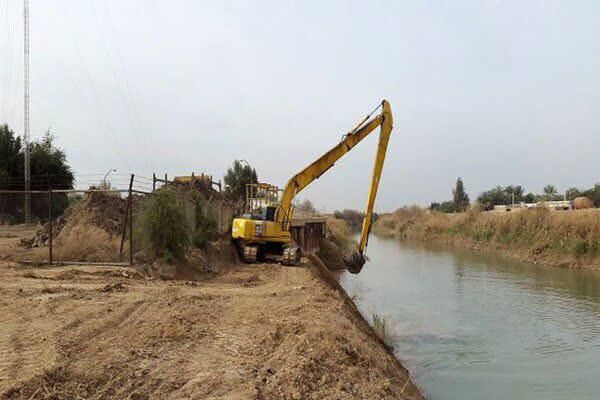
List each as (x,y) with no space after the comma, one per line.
(102,211)
(195,187)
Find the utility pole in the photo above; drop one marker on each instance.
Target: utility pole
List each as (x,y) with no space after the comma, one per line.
(26,112)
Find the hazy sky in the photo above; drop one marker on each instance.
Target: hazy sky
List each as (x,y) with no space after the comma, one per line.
(498,92)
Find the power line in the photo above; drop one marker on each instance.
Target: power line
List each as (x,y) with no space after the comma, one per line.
(93,94)
(113,33)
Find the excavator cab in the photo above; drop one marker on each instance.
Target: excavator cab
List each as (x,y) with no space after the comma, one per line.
(267,214)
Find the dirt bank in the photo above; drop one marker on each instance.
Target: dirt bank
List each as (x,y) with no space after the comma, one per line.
(337,243)
(252,332)
(568,239)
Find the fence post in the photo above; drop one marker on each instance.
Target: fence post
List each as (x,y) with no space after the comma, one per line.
(50,224)
(127,213)
(131,221)
(153,182)
(124,230)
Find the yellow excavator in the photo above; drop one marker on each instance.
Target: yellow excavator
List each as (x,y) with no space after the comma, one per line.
(269,233)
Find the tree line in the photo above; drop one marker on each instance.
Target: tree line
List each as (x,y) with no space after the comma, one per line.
(511,194)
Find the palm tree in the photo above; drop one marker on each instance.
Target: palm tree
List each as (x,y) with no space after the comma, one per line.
(550,192)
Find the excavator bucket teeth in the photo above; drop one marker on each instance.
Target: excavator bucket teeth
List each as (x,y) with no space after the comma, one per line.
(354,262)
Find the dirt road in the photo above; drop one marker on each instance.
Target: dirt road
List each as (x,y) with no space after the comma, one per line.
(253,332)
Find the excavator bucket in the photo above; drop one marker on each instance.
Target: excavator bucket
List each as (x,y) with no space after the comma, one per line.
(354,262)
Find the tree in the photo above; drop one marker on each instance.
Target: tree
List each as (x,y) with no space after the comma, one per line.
(572,193)
(353,218)
(550,192)
(306,206)
(515,193)
(236,179)
(447,207)
(51,161)
(11,157)
(593,194)
(434,206)
(530,198)
(48,168)
(504,195)
(460,197)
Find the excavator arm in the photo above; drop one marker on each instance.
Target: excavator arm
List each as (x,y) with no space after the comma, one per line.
(355,261)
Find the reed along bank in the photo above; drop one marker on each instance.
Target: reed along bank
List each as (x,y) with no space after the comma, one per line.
(568,239)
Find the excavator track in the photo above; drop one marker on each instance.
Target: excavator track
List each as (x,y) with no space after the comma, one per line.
(250,254)
(291,255)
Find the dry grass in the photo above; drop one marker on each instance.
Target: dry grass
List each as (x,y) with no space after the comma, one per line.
(87,243)
(337,243)
(339,233)
(331,255)
(385,225)
(382,329)
(539,234)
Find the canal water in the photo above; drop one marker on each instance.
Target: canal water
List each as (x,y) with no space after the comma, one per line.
(476,326)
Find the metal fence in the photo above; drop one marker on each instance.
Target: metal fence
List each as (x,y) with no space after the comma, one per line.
(75,226)
(61,232)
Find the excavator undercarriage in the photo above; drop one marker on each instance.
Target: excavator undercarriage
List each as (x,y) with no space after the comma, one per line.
(288,254)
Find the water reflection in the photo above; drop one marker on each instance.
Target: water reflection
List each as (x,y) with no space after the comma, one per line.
(471,325)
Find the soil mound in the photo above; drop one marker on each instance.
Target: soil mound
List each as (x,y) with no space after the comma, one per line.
(197,187)
(102,211)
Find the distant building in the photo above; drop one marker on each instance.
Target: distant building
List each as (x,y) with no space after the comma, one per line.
(552,205)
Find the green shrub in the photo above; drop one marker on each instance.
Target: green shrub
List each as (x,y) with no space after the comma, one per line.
(161,225)
(167,257)
(447,207)
(205,230)
(483,235)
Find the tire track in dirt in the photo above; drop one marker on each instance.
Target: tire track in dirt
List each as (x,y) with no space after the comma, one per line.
(24,349)
(78,342)
(6,351)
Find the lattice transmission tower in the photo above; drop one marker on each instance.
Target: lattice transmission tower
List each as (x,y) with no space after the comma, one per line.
(26,111)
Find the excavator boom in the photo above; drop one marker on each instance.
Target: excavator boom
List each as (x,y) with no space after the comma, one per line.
(313,171)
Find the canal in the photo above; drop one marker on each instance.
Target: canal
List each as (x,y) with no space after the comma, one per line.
(477,326)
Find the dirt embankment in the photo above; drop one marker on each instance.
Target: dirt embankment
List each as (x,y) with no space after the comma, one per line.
(558,238)
(250,332)
(337,243)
